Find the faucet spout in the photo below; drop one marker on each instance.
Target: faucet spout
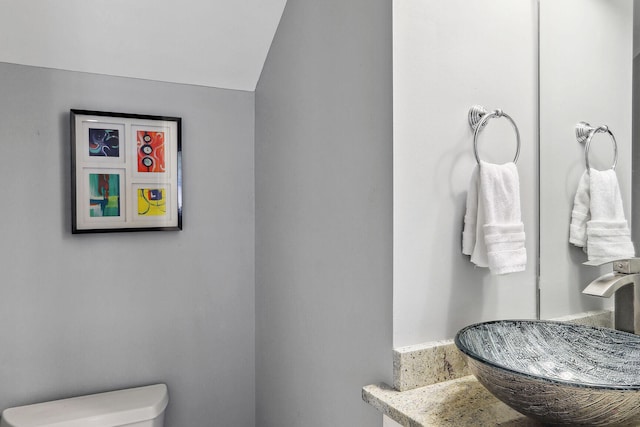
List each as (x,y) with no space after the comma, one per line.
(624,285)
(607,285)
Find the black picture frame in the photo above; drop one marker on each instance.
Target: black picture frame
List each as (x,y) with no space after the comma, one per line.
(126,172)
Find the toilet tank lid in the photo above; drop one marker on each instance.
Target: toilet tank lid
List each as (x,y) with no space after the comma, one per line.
(113,408)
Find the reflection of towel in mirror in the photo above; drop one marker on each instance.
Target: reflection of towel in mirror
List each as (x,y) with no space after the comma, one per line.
(598,224)
(493,231)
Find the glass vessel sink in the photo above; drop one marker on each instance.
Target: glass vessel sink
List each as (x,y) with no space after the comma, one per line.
(557,373)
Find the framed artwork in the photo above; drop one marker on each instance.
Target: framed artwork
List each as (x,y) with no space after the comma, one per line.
(126,172)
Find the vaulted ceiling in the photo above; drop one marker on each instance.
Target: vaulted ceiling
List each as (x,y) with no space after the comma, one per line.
(217,43)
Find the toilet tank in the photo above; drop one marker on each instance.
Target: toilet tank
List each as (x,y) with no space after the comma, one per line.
(133,407)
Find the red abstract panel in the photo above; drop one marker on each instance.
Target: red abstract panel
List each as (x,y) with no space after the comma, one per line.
(151,151)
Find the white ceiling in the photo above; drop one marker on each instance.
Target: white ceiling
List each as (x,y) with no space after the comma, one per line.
(217,43)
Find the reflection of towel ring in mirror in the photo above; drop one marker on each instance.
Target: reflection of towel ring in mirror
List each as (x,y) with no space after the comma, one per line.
(585,133)
(478,118)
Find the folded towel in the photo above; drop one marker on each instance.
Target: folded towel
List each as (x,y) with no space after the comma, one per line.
(608,233)
(472,236)
(580,214)
(471,215)
(598,224)
(493,232)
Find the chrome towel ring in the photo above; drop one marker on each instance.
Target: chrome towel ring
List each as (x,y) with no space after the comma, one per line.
(585,133)
(478,119)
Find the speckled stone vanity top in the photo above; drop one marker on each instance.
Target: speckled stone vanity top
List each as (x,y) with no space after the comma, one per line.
(462,402)
(434,388)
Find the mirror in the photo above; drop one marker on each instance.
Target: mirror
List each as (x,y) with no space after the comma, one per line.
(585,74)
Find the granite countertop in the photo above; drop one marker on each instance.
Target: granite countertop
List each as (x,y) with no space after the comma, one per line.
(433,387)
(461,402)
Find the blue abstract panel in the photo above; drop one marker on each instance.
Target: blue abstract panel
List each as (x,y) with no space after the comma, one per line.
(104,142)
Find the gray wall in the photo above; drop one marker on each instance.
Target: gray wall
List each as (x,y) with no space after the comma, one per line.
(436,289)
(88,313)
(635,135)
(324,214)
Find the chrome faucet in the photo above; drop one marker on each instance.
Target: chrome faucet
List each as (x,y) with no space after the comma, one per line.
(622,283)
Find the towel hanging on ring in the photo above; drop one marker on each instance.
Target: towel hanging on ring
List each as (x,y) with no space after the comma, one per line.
(493,233)
(598,224)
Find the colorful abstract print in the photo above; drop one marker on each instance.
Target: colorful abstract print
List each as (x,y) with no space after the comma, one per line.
(152,202)
(104,142)
(151,151)
(104,199)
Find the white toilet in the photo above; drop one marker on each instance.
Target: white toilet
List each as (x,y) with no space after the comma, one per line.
(134,407)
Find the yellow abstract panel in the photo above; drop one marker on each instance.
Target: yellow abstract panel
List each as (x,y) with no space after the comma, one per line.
(152,202)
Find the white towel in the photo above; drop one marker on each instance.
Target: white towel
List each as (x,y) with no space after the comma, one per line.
(580,214)
(472,236)
(603,228)
(470,216)
(493,231)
